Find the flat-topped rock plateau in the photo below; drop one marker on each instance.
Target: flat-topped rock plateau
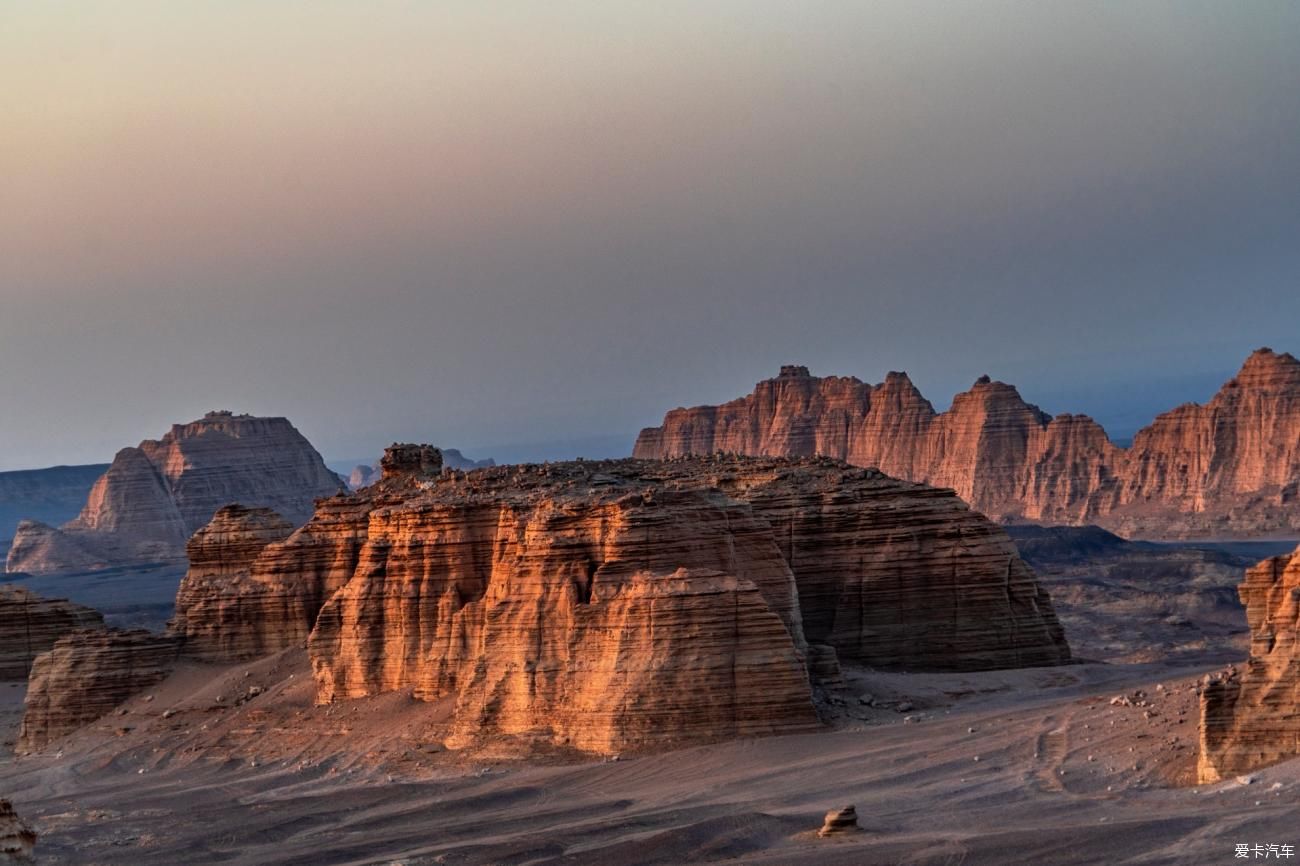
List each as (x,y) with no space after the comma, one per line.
(1228,468)
(614,605)
(155,496)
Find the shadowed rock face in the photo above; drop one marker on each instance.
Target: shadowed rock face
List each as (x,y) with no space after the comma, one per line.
(622,604)
(153,497)
(1230,466)
(30,624)
(86,675)
(1250,716)
(17,840)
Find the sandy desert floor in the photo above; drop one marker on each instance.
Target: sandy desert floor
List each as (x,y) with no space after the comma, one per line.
(1032,766)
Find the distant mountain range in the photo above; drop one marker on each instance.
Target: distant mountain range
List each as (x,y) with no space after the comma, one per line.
(1228,468)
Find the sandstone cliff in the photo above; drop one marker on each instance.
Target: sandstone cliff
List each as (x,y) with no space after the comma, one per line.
(1231,466)
(154,496)
(84,676)
(30,624)
(618,604)
(1250,717)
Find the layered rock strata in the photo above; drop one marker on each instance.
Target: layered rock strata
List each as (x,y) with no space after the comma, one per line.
(30,624)
(218,602)
(84,676)
(1230,466)
(155,496)
(1250,716)
(620,604)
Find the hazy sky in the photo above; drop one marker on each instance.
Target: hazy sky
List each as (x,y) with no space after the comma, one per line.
(498,225)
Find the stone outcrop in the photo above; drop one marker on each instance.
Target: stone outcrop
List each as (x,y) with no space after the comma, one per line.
(30,624)
(364,476)
(17,840)
(839,822)
(620,604)
(1250,716)
(218,602)
(154,496)
(84,676)
(1231,466)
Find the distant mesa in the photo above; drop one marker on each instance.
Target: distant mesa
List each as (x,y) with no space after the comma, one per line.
(155,496)
(364,475)
(54,495)
(1230,467)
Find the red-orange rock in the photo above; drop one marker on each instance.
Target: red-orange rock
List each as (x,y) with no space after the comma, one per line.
(625,604)
(1230,466)
(218,597)
(1250,717)
(153,497)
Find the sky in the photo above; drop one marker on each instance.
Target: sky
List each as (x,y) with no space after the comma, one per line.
(526,230)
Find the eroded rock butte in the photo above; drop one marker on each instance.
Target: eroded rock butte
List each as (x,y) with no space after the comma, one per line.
(617,605)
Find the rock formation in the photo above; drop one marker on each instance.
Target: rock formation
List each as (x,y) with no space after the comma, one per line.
(17,840)
(840,821)
(30,624)
(218,603)
(86,675)
(618,604)
(1250,717)
(1230,466)
(52,495)
(153,497)
(363,476)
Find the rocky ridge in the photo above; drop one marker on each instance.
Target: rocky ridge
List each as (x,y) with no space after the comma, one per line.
(626,604)
(1249,715)
(155,496)
(1231,466)
(30,624)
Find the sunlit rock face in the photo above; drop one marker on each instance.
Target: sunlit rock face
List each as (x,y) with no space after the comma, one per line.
(219,608)
(1230,466)
(30,624)
(622,604)
(1250,716)
(154,496)
(84,676)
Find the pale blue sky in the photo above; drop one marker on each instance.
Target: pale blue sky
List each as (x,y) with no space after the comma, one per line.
(493,224)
